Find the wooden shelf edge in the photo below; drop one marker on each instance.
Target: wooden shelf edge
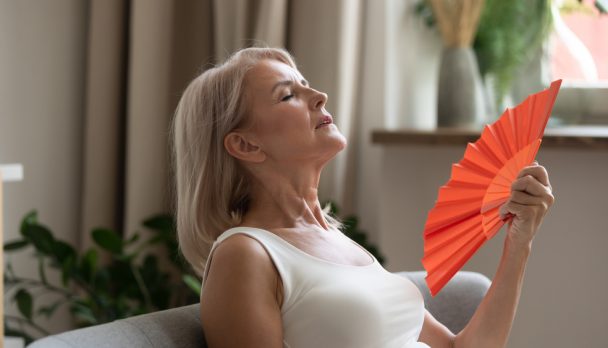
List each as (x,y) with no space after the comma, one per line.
(576,137)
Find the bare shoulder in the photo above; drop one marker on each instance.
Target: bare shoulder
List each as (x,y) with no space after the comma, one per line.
(240,250)
(239,305)
(240,259)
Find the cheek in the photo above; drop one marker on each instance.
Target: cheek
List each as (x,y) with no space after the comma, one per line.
(285,122)
(280,125)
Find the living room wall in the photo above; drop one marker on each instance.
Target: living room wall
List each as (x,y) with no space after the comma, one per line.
(41,91)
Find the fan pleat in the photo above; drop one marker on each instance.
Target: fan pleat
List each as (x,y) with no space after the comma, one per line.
(537,109)
(513,121)
(445,214)
(437,279)
(439,256)
(436,240)
(448,193)
(474,155)
(492,224)
(476,168)
(505,136)
(456,183)
(505,175)
(522,117)
(492,203)
(462,173)
(466,212)
(492,146)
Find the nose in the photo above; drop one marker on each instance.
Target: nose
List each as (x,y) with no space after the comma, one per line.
(318,100)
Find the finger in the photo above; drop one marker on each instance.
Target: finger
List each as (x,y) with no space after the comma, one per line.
(527,199)
(537,171)
(530,185)
(520,210)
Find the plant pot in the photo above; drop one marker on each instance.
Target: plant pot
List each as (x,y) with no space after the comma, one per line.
(460,100)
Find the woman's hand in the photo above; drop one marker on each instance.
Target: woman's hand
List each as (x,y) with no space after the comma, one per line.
(531,198)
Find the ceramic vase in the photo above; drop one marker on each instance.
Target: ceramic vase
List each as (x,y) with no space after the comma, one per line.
(460,100)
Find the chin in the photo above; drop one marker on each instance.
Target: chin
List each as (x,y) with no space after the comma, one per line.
(337,145)
(338,141)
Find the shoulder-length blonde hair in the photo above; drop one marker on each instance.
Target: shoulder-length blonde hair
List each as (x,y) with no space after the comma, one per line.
(212,188)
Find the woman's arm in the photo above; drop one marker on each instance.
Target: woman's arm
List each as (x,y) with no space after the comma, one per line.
(239,307)
(492,321)
(490,325)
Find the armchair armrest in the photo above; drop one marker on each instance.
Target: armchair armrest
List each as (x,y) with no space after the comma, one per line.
(455,304)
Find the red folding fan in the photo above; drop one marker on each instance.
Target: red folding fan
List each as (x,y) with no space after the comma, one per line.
(465,214)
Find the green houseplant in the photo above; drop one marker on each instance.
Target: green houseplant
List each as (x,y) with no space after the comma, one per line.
(509,34)
(132,282)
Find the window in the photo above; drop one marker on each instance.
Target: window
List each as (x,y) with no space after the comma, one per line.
(578,53)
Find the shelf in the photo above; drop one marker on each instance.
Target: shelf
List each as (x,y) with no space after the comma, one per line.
(577,137)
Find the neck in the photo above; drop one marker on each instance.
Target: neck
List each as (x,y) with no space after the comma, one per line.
(286,198)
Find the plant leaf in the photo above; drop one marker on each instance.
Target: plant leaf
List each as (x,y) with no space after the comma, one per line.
(84,312)
(24,303)
(29,219)
(41,237)
(16,245)
(160,223)
(47,311)
(192,283)
(108,240)
(41,271)
(88,264)
(63,250)
(132,240)
(67,267)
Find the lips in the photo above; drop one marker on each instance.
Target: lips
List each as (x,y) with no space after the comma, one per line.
(324,120)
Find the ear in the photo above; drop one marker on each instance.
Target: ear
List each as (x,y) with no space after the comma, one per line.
(241,146)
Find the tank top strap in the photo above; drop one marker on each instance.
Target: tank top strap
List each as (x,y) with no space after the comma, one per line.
(279,249)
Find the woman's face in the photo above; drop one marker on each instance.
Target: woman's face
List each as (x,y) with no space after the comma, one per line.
(285,114)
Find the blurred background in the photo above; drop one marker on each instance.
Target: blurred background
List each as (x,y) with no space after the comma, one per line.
(88,89)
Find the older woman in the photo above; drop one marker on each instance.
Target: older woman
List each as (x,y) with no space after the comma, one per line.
(251,139)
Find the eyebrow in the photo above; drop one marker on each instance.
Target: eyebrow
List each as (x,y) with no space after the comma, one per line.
(287,83)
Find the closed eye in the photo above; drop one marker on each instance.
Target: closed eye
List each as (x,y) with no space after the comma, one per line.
(287,97)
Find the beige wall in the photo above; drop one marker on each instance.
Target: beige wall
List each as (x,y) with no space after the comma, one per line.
(42,45)
(564,294)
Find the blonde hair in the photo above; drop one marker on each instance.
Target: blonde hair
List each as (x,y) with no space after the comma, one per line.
(212,188)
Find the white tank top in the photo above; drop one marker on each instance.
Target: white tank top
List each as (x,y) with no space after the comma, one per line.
(333,305)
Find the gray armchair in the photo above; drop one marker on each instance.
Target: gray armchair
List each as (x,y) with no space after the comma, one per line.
(181,327)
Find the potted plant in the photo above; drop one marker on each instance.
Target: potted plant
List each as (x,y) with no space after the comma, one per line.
(132,282)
